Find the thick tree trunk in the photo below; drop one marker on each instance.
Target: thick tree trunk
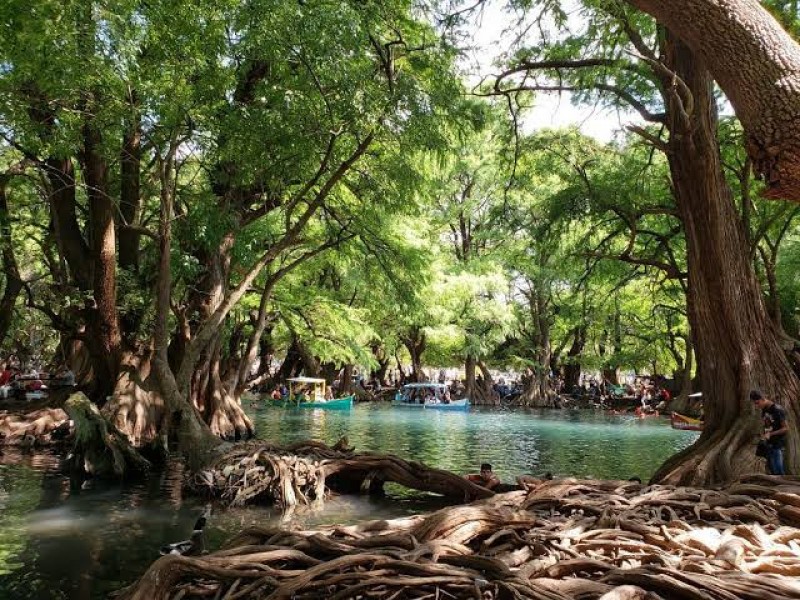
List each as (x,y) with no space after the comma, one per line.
(99,449)
(63,206)
(346,382)
(757,64)
(129,195)
(379,352)
(292,362)
(538,392)
(217,402)
(181,422)
(487,391)
(13,281)
(103,333)
(469,376)
(136,407)
(311,366)
(415,343)
(735,340)
(572,366)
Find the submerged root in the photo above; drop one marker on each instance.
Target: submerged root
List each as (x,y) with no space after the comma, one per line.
(260,473)
(560,540)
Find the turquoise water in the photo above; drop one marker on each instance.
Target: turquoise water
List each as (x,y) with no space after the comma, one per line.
(566,443)
(60,540)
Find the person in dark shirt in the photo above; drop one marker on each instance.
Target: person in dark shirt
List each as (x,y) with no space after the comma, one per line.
(775,428)
(485,478)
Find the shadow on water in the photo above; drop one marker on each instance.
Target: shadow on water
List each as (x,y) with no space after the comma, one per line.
(62,541)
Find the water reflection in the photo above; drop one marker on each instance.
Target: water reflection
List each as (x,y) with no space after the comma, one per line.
(59,540)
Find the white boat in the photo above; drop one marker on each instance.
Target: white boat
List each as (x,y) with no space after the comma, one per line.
(434,396)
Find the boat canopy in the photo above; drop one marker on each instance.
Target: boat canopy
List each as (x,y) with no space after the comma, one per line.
(314,386)
(306,380)
(412,386)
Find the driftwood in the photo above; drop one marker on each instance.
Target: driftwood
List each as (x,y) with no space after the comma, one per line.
(258,472)
(559,540)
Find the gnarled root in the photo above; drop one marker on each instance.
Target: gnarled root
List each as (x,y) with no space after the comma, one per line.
(299,474)
(41,427)
(561,540)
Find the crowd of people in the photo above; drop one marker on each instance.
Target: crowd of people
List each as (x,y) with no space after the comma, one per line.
(18,380)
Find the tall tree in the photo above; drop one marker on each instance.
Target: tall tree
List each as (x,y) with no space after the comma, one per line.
(737,345)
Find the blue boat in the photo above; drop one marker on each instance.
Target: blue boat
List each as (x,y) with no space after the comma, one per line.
(432,396)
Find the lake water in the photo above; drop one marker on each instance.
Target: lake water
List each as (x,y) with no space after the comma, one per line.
(63,540)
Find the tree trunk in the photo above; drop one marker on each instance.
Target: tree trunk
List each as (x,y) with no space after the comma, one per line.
(13,281)
(488,393)
(129,195)
(291,364)
(757,64)
(181,422)
(383,359)
(415,343)
(735,340)
(572,366)
(219,405)
(469,376)
(311,366)
(346,382)
(63,206)
(103,332)
(100,450)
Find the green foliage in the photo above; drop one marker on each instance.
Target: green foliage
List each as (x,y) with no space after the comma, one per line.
(496,245)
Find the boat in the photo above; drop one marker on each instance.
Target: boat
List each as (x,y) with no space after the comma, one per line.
(679,421)
(343,403)
(309,392)
(33,395)
(433,396)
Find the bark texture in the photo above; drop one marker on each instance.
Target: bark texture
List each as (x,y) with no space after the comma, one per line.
(562,540)
(757,63)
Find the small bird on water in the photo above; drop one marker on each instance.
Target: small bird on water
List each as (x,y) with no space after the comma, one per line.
(195,545)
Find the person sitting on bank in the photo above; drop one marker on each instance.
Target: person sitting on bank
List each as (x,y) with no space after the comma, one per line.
(486,478)
(775,428)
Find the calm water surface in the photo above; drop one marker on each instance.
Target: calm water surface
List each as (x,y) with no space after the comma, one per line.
(60,540)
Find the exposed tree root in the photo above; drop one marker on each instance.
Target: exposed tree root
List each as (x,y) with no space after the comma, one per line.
(227,419)
(257,472)
(42,427)
(561,540)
